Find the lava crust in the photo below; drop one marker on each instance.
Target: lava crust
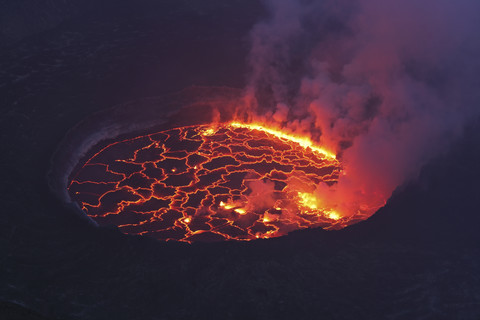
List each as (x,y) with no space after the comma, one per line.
(207,183)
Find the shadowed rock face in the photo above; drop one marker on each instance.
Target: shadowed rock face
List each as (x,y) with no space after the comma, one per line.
(12,311)
(22,18)
(417,257)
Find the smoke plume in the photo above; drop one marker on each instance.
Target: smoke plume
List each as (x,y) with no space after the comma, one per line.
(386,84)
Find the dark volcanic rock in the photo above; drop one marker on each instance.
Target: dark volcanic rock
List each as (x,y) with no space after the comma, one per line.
(12,311)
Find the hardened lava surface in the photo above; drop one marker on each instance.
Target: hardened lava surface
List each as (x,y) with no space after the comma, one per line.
(207,183)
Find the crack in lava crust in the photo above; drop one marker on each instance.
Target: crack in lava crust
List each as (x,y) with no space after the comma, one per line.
(208,183)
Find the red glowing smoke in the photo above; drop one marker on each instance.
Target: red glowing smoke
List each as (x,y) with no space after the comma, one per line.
(387,84)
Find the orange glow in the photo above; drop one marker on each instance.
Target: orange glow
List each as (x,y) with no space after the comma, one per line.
(240,211)
(208,132)
(308,200)
(226,206)
(332,215)
(232,181)
(304,142)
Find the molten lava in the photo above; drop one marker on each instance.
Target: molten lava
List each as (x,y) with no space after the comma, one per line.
(230,181)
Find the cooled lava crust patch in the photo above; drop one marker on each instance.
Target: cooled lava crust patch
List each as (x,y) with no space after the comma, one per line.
(207,183)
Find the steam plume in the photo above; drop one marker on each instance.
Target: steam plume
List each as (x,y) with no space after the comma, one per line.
(386,84)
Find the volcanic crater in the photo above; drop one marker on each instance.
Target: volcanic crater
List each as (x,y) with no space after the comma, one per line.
(208,182)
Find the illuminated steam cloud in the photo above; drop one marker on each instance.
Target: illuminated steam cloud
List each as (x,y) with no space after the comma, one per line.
(386,84)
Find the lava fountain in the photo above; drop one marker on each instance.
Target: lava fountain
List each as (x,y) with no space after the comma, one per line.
(227,181)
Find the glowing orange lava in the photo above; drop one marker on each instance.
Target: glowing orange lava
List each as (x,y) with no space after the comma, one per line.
(231,181)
